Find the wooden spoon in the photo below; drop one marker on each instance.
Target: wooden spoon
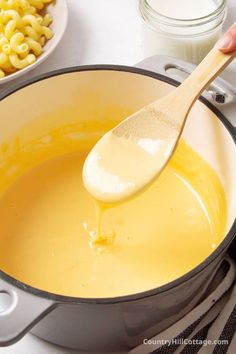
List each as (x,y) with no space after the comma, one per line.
(132,155)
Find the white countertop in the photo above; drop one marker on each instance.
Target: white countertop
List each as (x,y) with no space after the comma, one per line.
(99,31)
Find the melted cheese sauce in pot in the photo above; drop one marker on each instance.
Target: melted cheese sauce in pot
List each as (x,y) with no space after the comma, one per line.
(51,240)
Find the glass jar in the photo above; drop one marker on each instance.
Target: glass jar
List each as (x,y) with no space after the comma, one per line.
(184,37)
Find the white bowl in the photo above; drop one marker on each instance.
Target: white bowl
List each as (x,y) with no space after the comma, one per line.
(59,12)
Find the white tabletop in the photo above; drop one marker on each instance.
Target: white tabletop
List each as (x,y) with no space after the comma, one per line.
(99,31)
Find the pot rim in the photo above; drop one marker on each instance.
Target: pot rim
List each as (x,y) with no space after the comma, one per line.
(155,291)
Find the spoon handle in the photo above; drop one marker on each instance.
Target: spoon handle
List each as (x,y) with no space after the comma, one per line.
(183,98)
(211,66)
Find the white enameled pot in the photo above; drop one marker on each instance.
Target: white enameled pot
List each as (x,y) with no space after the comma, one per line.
(111,92)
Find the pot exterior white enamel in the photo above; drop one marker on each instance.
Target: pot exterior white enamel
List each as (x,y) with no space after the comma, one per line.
(111,93)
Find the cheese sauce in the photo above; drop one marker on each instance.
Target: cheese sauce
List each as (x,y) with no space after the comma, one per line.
(51,240)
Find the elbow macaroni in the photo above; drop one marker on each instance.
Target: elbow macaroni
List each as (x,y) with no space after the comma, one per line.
(23,33)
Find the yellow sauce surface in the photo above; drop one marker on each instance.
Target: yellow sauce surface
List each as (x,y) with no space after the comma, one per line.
(48,221)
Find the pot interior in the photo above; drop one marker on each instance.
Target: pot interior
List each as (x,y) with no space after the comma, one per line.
(89,98)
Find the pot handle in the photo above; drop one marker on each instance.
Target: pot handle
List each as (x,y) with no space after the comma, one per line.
(220,93)
(19,312)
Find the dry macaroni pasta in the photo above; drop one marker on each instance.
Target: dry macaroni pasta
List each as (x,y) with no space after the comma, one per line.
(23,32)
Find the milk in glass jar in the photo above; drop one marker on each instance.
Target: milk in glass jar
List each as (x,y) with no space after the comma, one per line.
(185,29)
